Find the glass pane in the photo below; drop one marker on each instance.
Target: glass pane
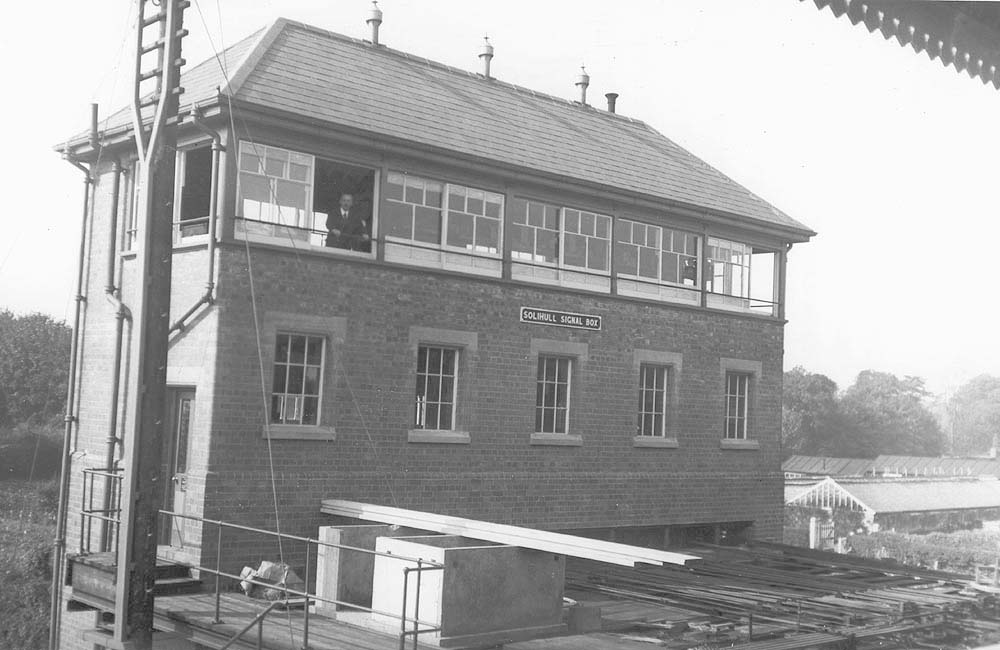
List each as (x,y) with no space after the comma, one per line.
(281,348)
(447,389)
(274,167)
(563,365)
(433,193)
(670,268)
(294,380)
(575,253)
(475,205)
(519,211)
(460,230)
(276,408)
(536,214)
(456,201)
(397,220)
(488,233)
(249,162)
(427,225)
(550,369)
(548,245)
(657,425)
(550,395)
(522,239)
(561,395)
(597,255)
(312,381)
(448,362)
(639,234)
(539,394)
(434,360)
(422,359)
(394,187)
(421,386)
(297,352)
(298,172)
(548,421)
(587,223)
(255,188)
(445,417)
(538,419)
(541,369)
(493,208)
(309,410)
(648,262)
(314,356)
(278,385)
(433,388)
(291,194)
(414,194)
(571,221)
(432,416)
(627,257)
(604,227)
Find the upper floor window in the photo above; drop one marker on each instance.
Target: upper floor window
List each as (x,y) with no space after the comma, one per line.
(298,198)
(560,245)
(445,225)
(195,189)
(741,277)
(655,254)
(298,379)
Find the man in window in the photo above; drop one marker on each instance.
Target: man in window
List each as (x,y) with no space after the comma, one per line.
(348,227)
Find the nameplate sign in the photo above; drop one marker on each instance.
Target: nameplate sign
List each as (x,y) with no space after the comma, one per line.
(560,318)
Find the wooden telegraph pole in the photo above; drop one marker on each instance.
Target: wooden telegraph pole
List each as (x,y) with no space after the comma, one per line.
(159,31)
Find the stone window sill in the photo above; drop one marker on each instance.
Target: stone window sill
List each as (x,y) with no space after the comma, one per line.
(655,441)
(438,437)
(299,432)
(557,439)
(738,443)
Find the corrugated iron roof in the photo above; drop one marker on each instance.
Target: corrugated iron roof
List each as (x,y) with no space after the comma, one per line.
(316,74)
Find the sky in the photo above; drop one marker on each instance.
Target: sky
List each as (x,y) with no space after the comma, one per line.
(889,156)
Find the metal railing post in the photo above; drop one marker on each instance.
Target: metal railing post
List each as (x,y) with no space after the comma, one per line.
(402,621)
(416,607)
(305,611)
(218,572)
(260,633)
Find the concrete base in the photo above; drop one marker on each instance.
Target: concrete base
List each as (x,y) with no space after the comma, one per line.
(486,593)
(346,575)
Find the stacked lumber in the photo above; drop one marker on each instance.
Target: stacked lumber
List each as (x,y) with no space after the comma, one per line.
(539,540)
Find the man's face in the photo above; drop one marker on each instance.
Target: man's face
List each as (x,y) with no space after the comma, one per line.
(346,202)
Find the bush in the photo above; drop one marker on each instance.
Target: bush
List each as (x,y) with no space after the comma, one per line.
(27,525)
(30,452)
(958,551)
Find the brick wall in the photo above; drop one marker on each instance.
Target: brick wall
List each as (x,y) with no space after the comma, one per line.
(500,476)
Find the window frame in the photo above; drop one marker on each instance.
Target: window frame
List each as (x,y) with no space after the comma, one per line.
(541,368)
(454,385)
(673,363)
(752,371)
(467,346)
(645,369)
(577,354)
(288,368)
(660,250)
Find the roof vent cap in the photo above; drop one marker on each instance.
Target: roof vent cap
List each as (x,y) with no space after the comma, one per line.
(486,55)
(582,82)
(374,20)
(612,98)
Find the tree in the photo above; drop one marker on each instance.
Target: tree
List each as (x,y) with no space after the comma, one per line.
(890,416)
(974,415)
(34,353)
(811,419)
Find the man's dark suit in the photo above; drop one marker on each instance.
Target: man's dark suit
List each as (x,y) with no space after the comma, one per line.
(354,230)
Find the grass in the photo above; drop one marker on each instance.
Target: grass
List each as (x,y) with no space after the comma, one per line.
(27,527)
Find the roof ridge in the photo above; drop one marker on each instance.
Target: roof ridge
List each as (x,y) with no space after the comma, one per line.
(383,49)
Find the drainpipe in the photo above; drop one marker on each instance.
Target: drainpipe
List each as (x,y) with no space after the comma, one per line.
(209,296)
(59,543)
(122,313)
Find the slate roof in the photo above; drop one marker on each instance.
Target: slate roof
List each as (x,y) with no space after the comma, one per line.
(827,466)
(319,75)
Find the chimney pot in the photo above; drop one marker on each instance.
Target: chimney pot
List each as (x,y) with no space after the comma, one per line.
(612,98)
(582,82)
(486,55)
(374,20)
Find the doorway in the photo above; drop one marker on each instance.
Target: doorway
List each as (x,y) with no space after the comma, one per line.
(176,451)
